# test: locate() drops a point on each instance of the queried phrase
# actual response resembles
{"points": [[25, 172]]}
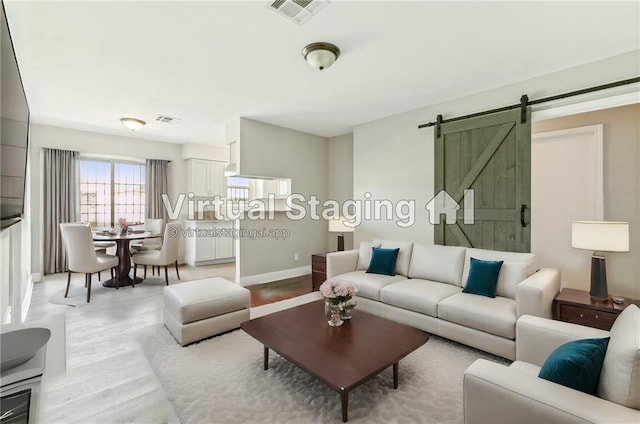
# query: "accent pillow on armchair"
{"points": [[576, 364], [620, 377]]}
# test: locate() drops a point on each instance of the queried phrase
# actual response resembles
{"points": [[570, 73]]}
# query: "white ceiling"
{"points": [[85, 64]]}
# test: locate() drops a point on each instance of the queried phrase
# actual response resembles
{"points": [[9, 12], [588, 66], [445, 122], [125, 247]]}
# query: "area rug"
{"points": [[221, 380]]}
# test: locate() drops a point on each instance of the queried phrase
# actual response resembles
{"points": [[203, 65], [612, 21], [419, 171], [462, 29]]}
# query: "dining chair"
{"points": [[167, 255], [154, 226], [101, 247], [82, 257]]}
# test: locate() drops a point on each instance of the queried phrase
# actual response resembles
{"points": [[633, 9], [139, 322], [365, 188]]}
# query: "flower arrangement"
{"points": [[351, 303], [123, 225], [338, 292]]}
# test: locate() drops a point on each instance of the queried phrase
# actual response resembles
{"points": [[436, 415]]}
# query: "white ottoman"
{"points": [[199, 309]]}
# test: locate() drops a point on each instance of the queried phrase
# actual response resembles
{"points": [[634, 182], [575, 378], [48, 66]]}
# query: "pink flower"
{"points": [[338, 290]]}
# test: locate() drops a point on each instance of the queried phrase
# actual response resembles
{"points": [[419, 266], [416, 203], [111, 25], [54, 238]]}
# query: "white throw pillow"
{"points": [[404, 255], [364, 255], [437, 263], [620, 376]]}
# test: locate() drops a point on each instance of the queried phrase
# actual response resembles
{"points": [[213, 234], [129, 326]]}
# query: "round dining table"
{"points": [[123, 253]]}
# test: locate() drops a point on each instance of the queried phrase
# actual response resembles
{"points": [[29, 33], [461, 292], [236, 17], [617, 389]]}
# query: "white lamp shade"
{"points": [[338, 226], [321, 59], [600, 236]]}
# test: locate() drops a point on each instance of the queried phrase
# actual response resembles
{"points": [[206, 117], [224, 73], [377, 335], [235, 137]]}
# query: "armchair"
{"points": [[495, 393]]}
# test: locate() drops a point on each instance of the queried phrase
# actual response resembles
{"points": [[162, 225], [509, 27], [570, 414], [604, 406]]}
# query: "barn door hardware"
{"points": [[523, 208], [524, 100], [438, 123]]}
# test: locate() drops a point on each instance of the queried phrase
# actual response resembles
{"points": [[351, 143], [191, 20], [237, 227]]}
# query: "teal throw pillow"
{"points": [[483, 277], [576, 364], [383, 261]]}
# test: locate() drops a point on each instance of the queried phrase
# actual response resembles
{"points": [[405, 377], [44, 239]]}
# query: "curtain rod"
{"points": [[535, 102]]}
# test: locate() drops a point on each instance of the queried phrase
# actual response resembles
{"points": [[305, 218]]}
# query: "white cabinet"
{"points": [[206, 177], [217, 179], [224, 246], [208, 242], [198, 177]]}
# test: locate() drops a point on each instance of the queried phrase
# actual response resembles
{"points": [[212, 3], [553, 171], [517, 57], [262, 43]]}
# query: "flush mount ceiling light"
{"points": [[132, 123], [321, 55]]}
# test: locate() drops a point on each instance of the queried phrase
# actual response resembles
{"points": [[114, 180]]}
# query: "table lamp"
{"points": [[337, 225], [600, 236]]}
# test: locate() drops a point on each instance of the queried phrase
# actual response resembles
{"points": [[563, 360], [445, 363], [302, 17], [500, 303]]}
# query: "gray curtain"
{"points": [[156, 185], [60, 187]]}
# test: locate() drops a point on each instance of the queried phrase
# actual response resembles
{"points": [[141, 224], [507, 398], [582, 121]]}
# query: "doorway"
{"points": [[566, 186]]}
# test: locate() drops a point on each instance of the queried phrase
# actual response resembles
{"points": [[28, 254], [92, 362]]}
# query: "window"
{"points": [[110, 190], [237, 189]]}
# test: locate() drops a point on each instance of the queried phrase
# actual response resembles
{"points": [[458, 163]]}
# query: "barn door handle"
{"points": [[523, 208]]}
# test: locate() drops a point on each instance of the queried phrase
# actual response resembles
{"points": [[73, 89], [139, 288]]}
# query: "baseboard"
{"points": [[36, 277], [275, 276], [214, 261]]}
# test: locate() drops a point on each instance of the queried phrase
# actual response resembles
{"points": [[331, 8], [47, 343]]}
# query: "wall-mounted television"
{"points": [[14, 131]]}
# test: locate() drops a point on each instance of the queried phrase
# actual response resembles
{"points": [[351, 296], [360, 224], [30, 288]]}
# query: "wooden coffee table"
{"points": [[341, 357]]}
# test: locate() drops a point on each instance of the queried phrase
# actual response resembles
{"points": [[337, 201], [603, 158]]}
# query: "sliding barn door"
{"points": [[490, 155]]}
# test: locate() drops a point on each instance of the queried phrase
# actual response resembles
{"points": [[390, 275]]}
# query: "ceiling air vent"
{"points": [[299, 11], [167, 119]]}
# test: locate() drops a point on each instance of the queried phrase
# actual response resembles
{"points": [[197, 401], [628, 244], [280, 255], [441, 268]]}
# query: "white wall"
{"points": [[203, 151], [394, 159], [89, 142], [271, 151], [16, 281]]}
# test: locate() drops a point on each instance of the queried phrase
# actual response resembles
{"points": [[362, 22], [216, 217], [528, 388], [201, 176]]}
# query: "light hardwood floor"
{"points": [[107, 379]]}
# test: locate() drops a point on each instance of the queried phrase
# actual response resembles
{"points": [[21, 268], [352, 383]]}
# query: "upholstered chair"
{"points": [[101, 248], [154, 226], [81, 255], [494, 393], [167, 255]]}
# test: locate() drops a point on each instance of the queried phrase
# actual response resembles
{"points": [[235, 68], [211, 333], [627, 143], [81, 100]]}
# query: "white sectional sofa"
{"points": [[426, 291]]}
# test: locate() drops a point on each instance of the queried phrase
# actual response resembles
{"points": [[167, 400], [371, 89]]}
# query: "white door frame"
{"points": [[598, 100]]}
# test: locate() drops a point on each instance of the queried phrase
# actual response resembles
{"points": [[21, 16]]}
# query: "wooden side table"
{"points": [[318, 269], [577, 307]]}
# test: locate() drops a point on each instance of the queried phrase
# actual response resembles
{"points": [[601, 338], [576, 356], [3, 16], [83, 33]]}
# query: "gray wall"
{"points": [[621, 186], [271, 151], [340, 180], [393, 159]]}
